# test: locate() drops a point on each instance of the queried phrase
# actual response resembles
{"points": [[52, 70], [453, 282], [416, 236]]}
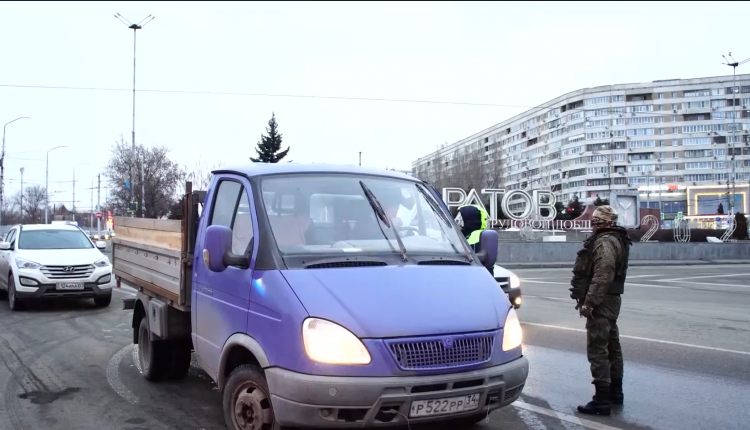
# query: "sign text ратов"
{"points": [[532, 212]]}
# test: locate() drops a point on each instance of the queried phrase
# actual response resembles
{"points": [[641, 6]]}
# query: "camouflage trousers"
{"points": [[603, 342]]}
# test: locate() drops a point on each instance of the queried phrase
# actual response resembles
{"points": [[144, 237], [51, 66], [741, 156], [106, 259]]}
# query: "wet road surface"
{"points": [[70, 365]]}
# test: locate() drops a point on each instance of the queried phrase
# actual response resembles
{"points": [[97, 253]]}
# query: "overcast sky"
{"points": [[512, 54]]}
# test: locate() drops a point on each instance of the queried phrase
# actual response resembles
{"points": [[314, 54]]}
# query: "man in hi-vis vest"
{"points": [[472, 219]]}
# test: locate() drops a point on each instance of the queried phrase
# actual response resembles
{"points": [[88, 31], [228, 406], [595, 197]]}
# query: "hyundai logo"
{"points": [[68, 269], [447, 343]]}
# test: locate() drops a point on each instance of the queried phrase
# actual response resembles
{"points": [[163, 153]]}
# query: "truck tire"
{"points": [[246, 400], [179, 359], [153, 356]]}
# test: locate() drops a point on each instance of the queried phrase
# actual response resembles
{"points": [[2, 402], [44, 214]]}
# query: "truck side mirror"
{"points": [[4, 246], [488, 241], [217, 252], [218, 243]]}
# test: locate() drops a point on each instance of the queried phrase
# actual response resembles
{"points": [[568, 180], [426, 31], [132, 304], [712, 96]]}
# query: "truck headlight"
{"points": [[512, 334], [26, 264], [326, 342], [515, 281]]}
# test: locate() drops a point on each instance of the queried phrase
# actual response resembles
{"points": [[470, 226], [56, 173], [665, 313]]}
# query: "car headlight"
{"points": [[326, 342], [515, 281], [26, 264], [104, 262], [512, 334]]}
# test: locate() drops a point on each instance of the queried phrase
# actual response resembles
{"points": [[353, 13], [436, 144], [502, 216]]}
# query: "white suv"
{"points": [[46, 261]]}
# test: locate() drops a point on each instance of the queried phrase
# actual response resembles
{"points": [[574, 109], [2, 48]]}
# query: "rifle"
{"points": [[581, 277]]}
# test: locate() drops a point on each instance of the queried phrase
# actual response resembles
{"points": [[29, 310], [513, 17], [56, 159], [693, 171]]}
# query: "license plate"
{"points": [[69, 286], [451, 405]]}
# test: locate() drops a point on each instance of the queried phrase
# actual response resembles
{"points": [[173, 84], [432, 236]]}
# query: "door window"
{"points": [[11, 238], [232, 209]]}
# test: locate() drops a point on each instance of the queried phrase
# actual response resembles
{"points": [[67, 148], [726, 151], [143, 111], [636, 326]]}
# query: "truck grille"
{"points": [[68, 272], [446, 352]]}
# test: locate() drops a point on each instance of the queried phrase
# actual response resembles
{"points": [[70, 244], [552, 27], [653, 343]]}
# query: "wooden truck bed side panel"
{"points": [[148, 253], [161, 233]]}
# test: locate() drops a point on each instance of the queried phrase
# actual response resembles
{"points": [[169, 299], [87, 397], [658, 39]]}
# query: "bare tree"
{"points": [[161, 177], [32, 211], [201, 175]]}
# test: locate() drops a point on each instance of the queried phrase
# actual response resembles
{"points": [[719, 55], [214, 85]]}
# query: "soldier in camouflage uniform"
{"points": [[598, 282]]}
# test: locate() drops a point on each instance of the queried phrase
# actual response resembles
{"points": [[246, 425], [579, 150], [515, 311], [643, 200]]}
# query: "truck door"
{"points": [[222, 298]]}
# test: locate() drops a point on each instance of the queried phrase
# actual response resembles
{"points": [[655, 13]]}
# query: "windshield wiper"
{"points": [[443, 217], [380, 212]]}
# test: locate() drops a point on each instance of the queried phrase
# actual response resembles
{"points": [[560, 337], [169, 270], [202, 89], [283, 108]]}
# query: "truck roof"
{"points": [[263, 169]]}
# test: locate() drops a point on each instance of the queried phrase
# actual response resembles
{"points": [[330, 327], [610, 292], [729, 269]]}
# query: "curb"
{"points": [[566, 265]]}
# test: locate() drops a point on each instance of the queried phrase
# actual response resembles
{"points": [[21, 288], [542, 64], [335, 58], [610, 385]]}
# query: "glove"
{"points": [[586, 311]]}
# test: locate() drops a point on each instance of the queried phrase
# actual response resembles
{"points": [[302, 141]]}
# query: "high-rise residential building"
{"points": [[683, 145]]}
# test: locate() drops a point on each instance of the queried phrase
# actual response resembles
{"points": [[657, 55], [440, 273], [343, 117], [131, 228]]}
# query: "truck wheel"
{"points": [[247, 403], [179, 359], [152, 355]]}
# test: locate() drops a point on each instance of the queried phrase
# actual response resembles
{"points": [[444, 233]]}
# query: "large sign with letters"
{"points": [[531, 216]]}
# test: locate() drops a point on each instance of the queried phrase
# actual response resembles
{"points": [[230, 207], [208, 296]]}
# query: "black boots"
{"points": [[599, 405], [615, 391]]}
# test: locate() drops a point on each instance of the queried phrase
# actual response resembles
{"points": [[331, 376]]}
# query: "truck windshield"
{"points": [[325, 213]]}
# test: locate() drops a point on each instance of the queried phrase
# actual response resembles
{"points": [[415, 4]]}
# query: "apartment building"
{"points": [[666, 140]]}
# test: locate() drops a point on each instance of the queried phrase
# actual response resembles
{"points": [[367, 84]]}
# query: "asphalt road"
{"points": [[686, 339]]}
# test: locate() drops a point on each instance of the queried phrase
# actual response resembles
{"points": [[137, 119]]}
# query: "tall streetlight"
{"points": [[22, 169], [46, 185], [733, 64], [2, 167], [74, 186], [135, 28]]}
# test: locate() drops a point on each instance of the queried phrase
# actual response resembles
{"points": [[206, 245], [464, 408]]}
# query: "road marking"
{"points": [[545, 297], [627, 283], [563, 417], [113, 376], [706, 284], [624, 336], [704, 276]]}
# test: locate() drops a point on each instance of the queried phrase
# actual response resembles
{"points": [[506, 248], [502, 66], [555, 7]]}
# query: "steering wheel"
{"points": [[408, 228]]}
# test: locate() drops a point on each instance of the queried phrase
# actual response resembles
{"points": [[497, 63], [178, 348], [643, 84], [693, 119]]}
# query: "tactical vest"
{"points": [[585, 264]]}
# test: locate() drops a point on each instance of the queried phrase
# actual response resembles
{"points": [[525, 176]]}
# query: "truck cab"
{"points": [[323, 296]]}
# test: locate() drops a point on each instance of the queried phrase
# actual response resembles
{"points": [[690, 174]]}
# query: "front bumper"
{"points": [[347, 402], [49, 291], [46, 288]]}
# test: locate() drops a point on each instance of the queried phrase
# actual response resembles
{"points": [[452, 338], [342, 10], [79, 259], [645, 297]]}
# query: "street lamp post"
{"points": [[135, 28], [733, 64], [46, 185], [74, 186], [2, 167]]}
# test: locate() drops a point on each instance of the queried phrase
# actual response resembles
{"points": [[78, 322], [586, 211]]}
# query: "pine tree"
{"points": [[269, 147]]}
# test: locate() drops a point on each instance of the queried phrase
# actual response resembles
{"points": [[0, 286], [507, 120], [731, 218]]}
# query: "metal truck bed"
{"points": [[155, 255]]}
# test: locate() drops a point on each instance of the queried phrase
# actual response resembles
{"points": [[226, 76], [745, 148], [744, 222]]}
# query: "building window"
{"points": [[660, 96]]}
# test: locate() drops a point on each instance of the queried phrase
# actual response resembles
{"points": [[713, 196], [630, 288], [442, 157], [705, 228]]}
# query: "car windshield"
{"points": [[53, 239], [325, 213]]}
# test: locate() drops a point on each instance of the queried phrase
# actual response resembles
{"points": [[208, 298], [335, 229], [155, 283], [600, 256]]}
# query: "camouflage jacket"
{"points": [[597, 265]]}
